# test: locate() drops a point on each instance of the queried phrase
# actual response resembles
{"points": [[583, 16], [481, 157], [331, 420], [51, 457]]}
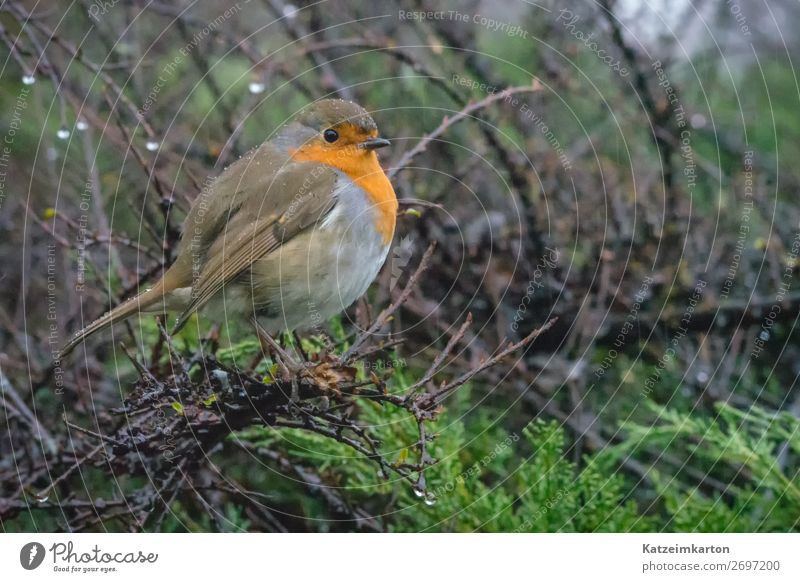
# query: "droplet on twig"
{"points": [[152, 145], [28, 79], [420, 486], [290, 11], [81, 125], [255, 87], [697, 120], [62, 133]]}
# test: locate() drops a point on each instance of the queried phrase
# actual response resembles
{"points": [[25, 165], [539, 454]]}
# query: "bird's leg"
{"points": [[321, 374], [289, 367], [299, 346], [294, 395], [212, 338], [269, 344]]}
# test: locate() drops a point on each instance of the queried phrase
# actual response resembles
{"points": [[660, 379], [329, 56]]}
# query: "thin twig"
{"points": [[384, 315]]}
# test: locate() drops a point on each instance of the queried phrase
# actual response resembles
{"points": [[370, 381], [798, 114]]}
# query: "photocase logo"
{"points": [[31, 555]]}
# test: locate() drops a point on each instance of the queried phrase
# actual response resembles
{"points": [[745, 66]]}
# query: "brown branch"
{"points": [[448, 122], [432, 400]]}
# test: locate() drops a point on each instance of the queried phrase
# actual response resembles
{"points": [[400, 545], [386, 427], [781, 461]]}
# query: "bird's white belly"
{"points": [[322, 271]]}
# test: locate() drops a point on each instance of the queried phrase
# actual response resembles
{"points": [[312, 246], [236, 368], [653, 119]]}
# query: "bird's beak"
{"points": [[374, 143]]}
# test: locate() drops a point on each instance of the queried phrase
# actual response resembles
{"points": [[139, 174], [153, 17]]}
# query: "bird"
{"points": [[289, 235]]}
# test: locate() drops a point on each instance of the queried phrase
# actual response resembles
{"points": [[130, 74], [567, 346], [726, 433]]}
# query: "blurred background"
{"points": [[627, 168]]}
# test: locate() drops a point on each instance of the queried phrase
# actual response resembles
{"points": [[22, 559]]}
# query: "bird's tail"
{"points": [[142, 303]]}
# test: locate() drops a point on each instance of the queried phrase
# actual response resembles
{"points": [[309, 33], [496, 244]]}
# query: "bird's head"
{"points": [[334, 132]]}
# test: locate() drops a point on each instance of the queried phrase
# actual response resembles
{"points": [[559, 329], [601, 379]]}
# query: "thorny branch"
{"points": [[170, 425]]}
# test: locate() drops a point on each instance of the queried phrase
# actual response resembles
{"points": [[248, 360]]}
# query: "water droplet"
{"points": [[255, 88], [63, 133], [764, 335], [418, 492], [152, 145], [290, 11], [697, 120], [81, 125], [28, 79], [430, 499], [702, 377], [42, 497]]}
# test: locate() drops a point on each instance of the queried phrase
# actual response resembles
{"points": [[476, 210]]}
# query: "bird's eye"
{"points": [[330, 135]]}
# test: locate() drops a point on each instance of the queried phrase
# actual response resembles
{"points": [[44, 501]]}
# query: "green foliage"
{"points": [[751, 462], [557, 496], [485, 479], [490, 480]]}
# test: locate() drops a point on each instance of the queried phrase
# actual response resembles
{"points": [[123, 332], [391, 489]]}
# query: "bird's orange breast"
{"points": [[365, 171]]}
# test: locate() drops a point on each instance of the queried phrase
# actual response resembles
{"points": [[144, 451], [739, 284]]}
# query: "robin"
{"points": [[289, 235]]}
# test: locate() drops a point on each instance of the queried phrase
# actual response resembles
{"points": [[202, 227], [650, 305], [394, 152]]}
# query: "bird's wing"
{"points": [[299, 195]]}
